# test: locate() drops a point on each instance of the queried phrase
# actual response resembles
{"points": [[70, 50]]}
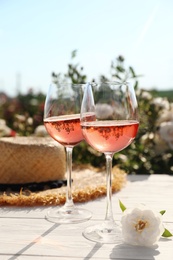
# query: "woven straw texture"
{"points": [[88, 184], [31, 159]]}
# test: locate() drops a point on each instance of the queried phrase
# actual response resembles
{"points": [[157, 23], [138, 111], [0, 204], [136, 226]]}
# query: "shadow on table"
{"points": [[96, 247], [133, 178], [134, 252], [23, 250], [23, 210]]}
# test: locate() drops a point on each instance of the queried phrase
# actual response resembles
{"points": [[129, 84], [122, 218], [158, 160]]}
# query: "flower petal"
{"points": [[141, 226]]}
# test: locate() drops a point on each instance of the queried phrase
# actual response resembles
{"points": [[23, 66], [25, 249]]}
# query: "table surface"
{"points": [[26, 234]]}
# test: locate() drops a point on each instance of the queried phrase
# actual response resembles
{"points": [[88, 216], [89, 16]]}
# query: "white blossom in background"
{"points": [[146, 95], [146, 137], [161, 103], [40, 131], [30, 121], [167, 115], [166, 132], [5, 130], [141, 226], [161, 146], [20, 118], [104, 111]]}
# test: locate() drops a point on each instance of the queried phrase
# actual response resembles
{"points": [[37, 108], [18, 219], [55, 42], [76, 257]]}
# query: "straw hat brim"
{"points": [[88, 184]]}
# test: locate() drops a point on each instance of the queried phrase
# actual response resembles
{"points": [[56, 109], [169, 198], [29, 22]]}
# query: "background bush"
{"points": [[150, 153]]}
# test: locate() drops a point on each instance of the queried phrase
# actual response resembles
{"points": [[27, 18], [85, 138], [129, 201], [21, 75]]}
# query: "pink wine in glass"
{"points": [[115, 126], [110, 136], [65, 129], [62, 122]]}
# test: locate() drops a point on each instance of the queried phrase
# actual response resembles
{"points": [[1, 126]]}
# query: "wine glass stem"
{"points": [[69, 200], [109, 213]]}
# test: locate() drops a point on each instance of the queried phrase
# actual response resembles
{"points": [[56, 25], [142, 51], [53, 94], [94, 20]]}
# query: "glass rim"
{"points": [[110, 82], [68, 83]]}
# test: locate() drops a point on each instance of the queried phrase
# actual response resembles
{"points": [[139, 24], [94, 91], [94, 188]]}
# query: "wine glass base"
{"points": [[104, 233], [67, 216]]}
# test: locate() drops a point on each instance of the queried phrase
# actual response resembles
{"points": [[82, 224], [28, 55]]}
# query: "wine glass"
{"points": [[109, 124], [62, 122]]}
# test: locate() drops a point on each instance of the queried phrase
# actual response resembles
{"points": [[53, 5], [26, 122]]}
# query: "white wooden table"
{"points": [[26, 234]]}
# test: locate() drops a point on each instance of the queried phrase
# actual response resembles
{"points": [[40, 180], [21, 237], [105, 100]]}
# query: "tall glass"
{"points": [[62, 122], [109, 124]]}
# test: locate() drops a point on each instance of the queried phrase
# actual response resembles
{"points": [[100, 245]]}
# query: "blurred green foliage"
{"points": [[25, 112], [140, 157]]}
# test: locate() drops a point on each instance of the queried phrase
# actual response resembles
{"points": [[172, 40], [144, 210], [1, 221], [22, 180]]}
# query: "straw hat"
{"points": [[31, 159]]}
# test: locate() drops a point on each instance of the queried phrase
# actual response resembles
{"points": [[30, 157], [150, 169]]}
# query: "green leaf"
{"points": [[117, 76], [120, 69], [132, 71], [136, 85], [167, 233], [162, 212], [73, 54], [123, 208]]}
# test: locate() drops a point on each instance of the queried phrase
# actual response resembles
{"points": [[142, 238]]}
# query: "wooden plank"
{"points": [[26, 234]]}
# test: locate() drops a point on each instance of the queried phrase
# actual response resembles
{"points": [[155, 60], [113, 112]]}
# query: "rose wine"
{"points": [[65, 129], [110, 136]]}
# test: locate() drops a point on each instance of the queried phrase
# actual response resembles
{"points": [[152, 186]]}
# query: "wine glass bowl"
{"points": [[109, 122], [62, 122]]}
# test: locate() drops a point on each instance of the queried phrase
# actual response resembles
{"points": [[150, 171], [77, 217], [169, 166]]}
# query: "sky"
{"points": [[37, 38]]}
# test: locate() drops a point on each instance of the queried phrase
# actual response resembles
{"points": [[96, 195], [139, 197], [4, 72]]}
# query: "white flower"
{"points": [[40, 131], [21, 118], [166, 116], [141, 226], [146, 95], [160, 145], [30, 121], [104, 111], [166, 132], [5, 130], [161, 102]]}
